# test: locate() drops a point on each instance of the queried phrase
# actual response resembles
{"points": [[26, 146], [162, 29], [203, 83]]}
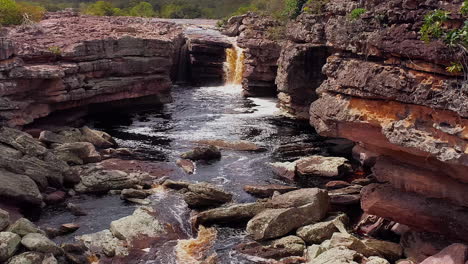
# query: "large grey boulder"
{"points": [[19, 188], [202, 153], [142, 223], [27, 258], [332, 167], [95, 179], [318, 232], [77, 153], [104, 242], [9, 243], [4, 219], [205, 194], [23, 227], [40, 243], [234, 214], [302, 197]]}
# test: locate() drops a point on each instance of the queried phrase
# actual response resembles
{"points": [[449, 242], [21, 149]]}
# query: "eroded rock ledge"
{"points": [[68, 61]]}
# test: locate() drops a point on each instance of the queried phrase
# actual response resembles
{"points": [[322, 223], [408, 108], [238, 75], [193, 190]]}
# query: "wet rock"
{"points": [[111, 152], [141, 223], [276, 249], [175, 185], [187, 165], [302, 207], [232, 214], [453, 254], [139, 201], [23, 227], [104, 242], [96, 180], [133, 193], [69, 228], [27, 258], [265, 191], [337, 185], [337, 255], [346, 196], [19, 188], [351, 242], [389, 250], [284, 170], [331, 167], [40, 243], [55, 197], [239, 145], [202, 153], [70, 136], [76, 210], [4, 219], [9, 243], [75, 252], [77, 153], [205, 194], [321, 231]]}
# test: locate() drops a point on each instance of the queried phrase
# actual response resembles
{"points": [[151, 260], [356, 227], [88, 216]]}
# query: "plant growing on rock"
{"points": [[456, 67], [357, 13], [55, 50], [432, 27], [315, 6]]}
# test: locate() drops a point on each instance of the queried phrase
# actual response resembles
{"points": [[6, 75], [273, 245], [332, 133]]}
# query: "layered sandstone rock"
{"points": [[69, 61]]}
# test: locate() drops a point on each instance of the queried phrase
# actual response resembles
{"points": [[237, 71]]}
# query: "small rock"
{"points": [[321, 231], [27, 258], [265, 191], [363, 181], [276, 249], [338, 255], [141, 223], [77, 153], [331, 167], [453, 254], [4, 219], [175, 185], [284, 170], [203, 153], [332, 185], [389, 250], [23, 227], [71, 192], [139, 201], [377, 260], [49, 259], [205, 194], [187, 165], [76, 210], [69, 228], [133, 194], [351, 242], [40, 243], [55, 197], [9, 243], [75, 252]]}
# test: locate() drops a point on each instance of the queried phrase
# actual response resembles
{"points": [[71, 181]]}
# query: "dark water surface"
{"points": [[199, 113]]}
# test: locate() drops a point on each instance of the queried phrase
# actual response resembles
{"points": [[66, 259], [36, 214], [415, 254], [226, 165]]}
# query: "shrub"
{"points": [[432, 27], [100, 8], [315, 6], [142, 9], [456, 67], [464, 8], [55, 50], [293, 8], [357, 13], [33, 11], [10, 13]]}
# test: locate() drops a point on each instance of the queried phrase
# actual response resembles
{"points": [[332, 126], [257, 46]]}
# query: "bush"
{"points": [[357, 13], [432, 27], [100, 8], [315, 6], [33, 11], [142, 9], [10, 13], [180, 11], [464, 8], [293, 8]]}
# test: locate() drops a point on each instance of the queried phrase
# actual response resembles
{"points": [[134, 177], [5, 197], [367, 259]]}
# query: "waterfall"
{"points": [[234, 65]]}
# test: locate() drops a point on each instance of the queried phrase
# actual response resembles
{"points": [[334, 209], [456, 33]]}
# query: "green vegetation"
{"points": [[315, 6], [13, 13], [357, 13], [55, 50], [464, 8], [456, 67], [432, 27]]}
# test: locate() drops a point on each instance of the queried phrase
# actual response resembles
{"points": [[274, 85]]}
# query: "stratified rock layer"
{"points": [[69, 61]]}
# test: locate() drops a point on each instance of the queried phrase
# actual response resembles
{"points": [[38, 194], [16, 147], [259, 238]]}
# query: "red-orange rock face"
{"points": [[70, 61]]}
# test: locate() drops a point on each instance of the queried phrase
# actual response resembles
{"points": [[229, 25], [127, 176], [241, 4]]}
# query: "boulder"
{"points": [[176, 185], [40, 243], [321, 231], [232, 214], [275, 249], [55, 197], [142, 223], [346, 196], [23, 227], [331, 167], [453, 254], [265, 191], [239, 145], [4, 219], [49, 259], [9, 243], [337, 255], [75, 252], [133, 193], [187, 165], [98, 180], [77, 153], [389, 250], [302, 197], [73, 135], [104, 242], [69, 228], [284, 170], [19, 188], [351, 242], [27, 258], [203, 153], [205, 194]]}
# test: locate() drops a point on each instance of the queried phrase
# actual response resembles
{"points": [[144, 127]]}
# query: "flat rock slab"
{"points": [[331, 167], [239, 145], [264, 191]]}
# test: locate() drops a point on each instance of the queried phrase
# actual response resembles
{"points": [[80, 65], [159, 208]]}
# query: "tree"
{"points": [[9, 13], [100, 8], [143, 9]]}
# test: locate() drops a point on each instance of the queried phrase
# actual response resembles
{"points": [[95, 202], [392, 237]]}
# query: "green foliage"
{"points": [[457, 36], [13, 13], [55, 50], [456, 67], [142, 9], [32, 10], [357, 13], [432, 27], [315, 6], [180, 11], [464, 8], [100, 8], [293, 8]]}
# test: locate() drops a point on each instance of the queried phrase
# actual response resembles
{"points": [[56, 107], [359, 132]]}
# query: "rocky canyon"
{"points": [[339, 136]]}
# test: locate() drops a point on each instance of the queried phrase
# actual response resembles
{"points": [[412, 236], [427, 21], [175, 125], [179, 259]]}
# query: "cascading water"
{"points": [[234, 65]]}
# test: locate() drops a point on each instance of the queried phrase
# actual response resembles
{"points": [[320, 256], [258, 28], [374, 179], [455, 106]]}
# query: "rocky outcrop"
{"points": [[256, 34], [73, 61]]}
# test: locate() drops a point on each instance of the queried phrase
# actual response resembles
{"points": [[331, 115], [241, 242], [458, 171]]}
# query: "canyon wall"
{"points": [[69, 61]]}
